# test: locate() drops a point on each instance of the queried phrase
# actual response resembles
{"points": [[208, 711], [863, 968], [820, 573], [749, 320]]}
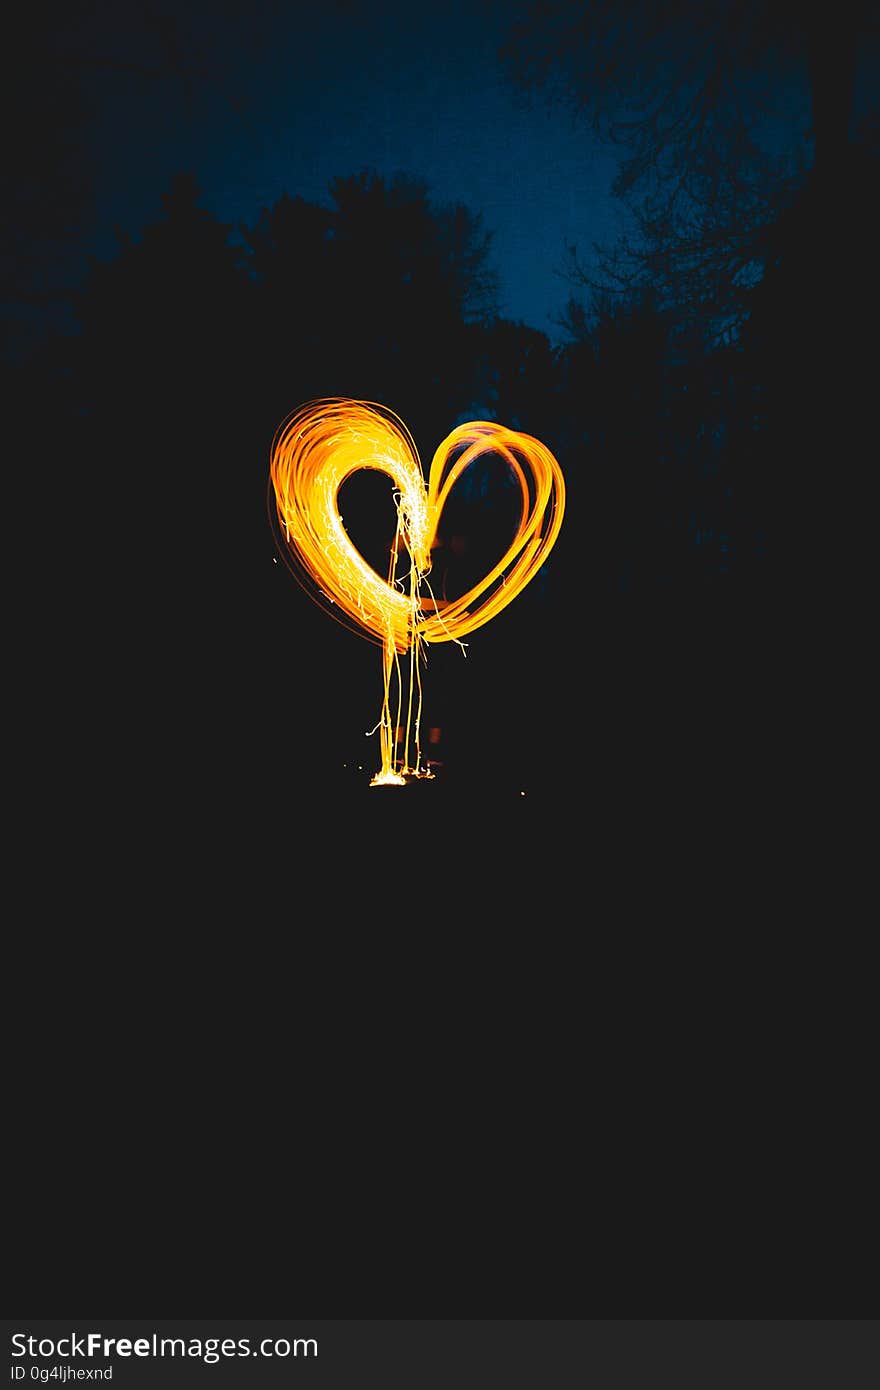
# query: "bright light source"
{"points": [[321, 444]]}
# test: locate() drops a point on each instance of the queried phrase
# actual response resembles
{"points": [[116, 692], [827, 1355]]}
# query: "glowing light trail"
{"points": [[314, 451]]}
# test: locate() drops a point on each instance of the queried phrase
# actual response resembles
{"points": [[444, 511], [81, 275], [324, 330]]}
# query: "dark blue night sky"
{"points": [[292, 97]]}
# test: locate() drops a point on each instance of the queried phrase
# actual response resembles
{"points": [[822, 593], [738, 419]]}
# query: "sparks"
{"points": [[321, 444]]}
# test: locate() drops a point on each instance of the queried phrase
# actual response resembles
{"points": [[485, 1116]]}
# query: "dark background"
{"points": [[623, 929]]}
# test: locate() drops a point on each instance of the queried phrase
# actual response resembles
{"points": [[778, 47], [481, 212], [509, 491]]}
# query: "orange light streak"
{"points": [[314, 451]]}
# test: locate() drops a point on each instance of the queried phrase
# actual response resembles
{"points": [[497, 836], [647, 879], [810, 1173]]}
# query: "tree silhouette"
{"points": [[374, 297], [749, 161], [523, 379], [192, 347], [60, 65], [720, 111]]}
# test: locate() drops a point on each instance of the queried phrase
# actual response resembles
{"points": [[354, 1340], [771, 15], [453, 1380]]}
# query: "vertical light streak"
{"points": [[314, 451]]}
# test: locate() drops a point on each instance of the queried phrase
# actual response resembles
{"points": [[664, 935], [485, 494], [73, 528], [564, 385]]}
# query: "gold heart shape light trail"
{"points": [[314, 451]]}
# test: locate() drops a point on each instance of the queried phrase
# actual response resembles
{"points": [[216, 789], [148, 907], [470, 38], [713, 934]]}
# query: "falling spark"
{"points": [[314, 451]]}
